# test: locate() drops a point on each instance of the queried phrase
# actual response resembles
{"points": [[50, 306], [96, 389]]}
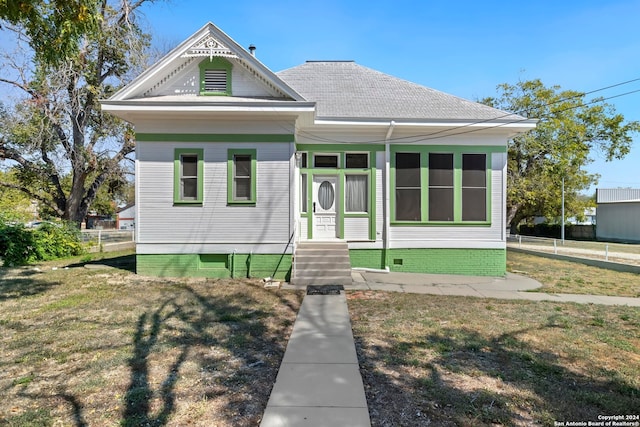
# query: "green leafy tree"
{"points": [[54, 26], [570, 130], [56, 129], [14, 204]]}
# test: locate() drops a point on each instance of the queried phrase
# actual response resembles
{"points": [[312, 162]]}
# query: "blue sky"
{"points": [[465, 48]]}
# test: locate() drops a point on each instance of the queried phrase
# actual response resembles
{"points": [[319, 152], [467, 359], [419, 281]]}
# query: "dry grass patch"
{"points": [[454, 361], [566, 277], [105, 347]]}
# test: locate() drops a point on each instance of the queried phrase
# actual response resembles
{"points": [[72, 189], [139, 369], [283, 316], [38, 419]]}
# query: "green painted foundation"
{"points": [[215, 265], [469, 262]]}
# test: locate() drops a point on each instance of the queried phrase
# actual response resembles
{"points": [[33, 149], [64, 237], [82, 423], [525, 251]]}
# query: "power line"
{"points": [[554, 112], [434, 135]]}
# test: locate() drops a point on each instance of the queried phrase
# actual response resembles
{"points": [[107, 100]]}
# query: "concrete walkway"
{"points": [[319, 382], [512, 286]]}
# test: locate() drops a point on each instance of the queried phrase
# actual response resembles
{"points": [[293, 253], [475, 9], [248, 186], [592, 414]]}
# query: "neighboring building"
{"points": [[94, 221], [618, 213], [236, 165], [126, 219], [589, 218]]}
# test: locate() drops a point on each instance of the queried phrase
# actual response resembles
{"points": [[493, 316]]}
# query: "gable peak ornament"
{"points": [[208, 46]]}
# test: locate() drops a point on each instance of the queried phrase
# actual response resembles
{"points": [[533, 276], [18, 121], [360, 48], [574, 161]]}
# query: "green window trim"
{"points": [[231, 153], [215, 63], [177, 178], [457, 152]]}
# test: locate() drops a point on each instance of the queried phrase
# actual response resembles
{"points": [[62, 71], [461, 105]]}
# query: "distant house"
{"points": [[126, 219], [238, 167], [589, 218], [618, 213]]}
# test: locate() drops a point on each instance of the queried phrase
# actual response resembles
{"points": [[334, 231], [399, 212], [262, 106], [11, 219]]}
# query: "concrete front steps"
{"points": [[322, 263]]}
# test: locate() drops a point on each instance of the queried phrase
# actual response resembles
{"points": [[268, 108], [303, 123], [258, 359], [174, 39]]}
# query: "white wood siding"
{"points": [[465, 236], [187, 82], [211, 126], [356, 228], [214, 222], [302, 230]]}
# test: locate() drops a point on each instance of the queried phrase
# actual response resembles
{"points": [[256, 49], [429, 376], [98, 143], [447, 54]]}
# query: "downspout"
{"points": [[295, 198], [387, 193], [387, 203]]}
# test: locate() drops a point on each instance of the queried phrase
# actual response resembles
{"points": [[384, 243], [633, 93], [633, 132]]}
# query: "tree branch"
{"points": [[127, 148], [31, 194], [9, 153], [22, 86]]}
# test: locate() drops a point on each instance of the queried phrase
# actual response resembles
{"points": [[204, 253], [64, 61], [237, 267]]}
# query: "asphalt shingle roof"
{"points": [[344, 89]]}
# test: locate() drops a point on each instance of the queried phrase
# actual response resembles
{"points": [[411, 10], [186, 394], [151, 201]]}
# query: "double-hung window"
{"points": [[408, 187], [474, 187], [441, 187], [241, 176], [188, 176]]}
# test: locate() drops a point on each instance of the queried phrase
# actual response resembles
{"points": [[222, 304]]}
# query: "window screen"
{"points": [[188, 177], [408, 198], [325, 161], [440, 187], [356, 160], [474, 187], [242, 177]]}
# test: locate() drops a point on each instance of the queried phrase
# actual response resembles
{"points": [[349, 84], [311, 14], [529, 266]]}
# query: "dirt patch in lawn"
{"points": [[105, 347], [455, 361]]}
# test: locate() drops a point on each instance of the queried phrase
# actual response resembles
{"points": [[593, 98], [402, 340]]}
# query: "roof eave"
{"points": [[517, 126]]}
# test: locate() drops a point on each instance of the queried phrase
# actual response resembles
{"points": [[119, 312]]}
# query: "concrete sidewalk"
{"points": [[512, 286], [319, 382]]}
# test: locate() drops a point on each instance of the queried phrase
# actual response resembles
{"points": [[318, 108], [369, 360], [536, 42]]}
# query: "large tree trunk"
{"points": [[512, 216]]}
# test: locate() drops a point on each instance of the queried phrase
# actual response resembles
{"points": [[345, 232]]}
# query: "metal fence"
{"points": [[104, 237], [588, 249]]}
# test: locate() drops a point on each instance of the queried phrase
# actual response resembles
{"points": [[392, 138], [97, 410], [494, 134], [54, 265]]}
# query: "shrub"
{"points": [[20, 245]]}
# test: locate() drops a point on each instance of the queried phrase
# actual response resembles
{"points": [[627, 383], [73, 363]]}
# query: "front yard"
{"points": [[104, 347]]}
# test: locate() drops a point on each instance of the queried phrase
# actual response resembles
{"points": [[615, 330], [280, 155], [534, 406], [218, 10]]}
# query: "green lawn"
{"points": [[456, 361], [105, 347], [573, 278]]}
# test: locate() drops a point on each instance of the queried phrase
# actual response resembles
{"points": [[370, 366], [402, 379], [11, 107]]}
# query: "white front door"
{"points": [[325, 198]]}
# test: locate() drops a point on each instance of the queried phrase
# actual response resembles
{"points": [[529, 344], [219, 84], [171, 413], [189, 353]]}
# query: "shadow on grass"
{"points": [[453, 390], [231, 329], [123, 262], [18, 283]]}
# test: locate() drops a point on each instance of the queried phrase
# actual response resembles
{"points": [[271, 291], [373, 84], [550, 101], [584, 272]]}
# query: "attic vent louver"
{"points": [[215, 80]]}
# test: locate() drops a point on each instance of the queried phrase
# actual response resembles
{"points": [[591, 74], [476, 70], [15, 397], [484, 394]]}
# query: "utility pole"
{"points": [[562, 229]]}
